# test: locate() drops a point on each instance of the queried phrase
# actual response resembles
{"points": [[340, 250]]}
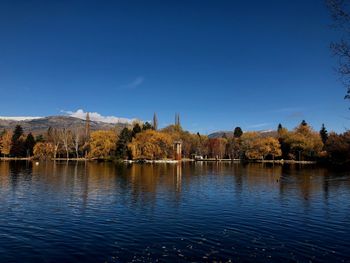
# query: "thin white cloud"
{"points": [[287, 110], [19, 118], [259, 125], [133, 84], [95, 116]]}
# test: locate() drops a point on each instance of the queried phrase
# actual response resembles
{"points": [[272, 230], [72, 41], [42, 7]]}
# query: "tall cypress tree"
{"points": [[29, 144], [279, 128], [125, 138], [155, 122], [136, 129], [324, 134]]}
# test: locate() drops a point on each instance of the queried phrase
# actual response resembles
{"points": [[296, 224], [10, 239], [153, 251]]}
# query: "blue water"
{"points": [[102, 212]]}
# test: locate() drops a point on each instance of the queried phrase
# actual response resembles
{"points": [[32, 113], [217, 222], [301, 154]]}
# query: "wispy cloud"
{"points": [[133, 84], [259, 125], [95, 116], [290, 112], [295, 115], [287, 109]]}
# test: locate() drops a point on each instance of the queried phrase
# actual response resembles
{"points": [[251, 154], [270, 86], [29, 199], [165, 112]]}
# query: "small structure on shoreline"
{"points": [[178, 150]]}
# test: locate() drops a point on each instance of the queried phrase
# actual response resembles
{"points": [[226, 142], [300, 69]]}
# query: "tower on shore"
{"points": [[178, 150]]}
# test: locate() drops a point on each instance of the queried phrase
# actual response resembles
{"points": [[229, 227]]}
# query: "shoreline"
{"points": [[163, 161]]}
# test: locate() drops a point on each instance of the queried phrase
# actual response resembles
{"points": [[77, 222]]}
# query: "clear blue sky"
{"points": [[220, 64]]}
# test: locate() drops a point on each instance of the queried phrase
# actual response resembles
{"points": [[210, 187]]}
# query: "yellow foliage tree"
{"points": [[5, 143], [304, 141], [151, 145], [102, 143], [44, 150], [256, 147]]}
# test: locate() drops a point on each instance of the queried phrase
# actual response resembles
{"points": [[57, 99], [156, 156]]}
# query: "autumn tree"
{"points": [[44, 150], [53, 136], [273, 147], [151, 145], [77, 140], [102, 144], [201, 144], [256, 147], [338, 147], [305, 142], [233, 147], [66, 139], [217, 147], [5, 143]]}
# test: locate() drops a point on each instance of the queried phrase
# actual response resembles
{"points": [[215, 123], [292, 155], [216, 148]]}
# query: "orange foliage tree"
{"points": [[44, 150], [5, 143], [151, 144], [102, 144]]}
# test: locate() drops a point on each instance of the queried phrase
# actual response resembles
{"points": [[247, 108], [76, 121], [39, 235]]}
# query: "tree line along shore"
{"points": [[144, 141]]}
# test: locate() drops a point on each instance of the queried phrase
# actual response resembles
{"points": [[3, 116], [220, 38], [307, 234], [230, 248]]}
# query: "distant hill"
{"points": [[220, 134], [40, 125], [229, 134]]}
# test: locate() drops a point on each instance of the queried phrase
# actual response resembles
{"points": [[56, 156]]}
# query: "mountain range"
{"points": [[229, 134], [40, 125]]}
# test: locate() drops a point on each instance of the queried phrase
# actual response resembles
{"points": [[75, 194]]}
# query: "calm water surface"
{"points": [[102, 212]]}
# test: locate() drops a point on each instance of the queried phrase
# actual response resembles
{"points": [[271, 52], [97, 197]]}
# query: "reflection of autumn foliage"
{"points": [[102, 144], [44, 150], [152, 144]]}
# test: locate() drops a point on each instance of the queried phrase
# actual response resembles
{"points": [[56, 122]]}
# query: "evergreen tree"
{"points": [[177, 120], [146, 126], [39, 138], [303, 123], [87, 127], [324, 134], [17, 143], [125, 138], [29, 144], [279, 128], [136, 129], [237, 133], [155, 122]]}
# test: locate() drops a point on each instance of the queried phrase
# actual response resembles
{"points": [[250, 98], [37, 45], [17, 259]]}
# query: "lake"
{"points": [[201, 212]]}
